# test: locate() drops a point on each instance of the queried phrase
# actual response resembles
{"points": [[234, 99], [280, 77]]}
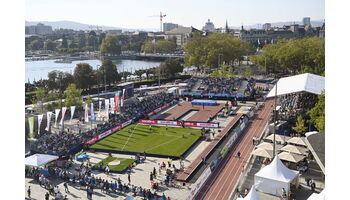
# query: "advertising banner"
{"points": [[107, 108], [179, 123], [72, 109], [63, 113], [99, 106], [92, 113], [40, 118], [48, 117], [116, 101], [111, 102], [57, 112], [198, 184], [86, 114], [31, 127]]}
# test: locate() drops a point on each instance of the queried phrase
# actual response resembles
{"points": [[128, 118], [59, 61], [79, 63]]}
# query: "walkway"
{"points": [[221, 183]]}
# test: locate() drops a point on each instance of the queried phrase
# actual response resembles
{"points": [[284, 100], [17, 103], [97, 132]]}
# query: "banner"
{"points": [[122, 99], [63, 113], [179, 123], [92, 115], [111, 102], [198, 184], [72, 109], [116, 101], [48, 117], [57, 112], [99, 106], [40, 118], [107, 133], [86, 114], [107, 108], [158, 110], [31, 127]]}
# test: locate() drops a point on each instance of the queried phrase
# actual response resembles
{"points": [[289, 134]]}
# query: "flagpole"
{"points": [[274, 126]]}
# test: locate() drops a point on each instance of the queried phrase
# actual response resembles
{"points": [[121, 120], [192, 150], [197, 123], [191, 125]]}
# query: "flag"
{"points": [[48, 117], [258, 41], [72, 109], [40, 118], [57, 112], [92, 115], [63, 113], [272, 41], [31, 127], [122, 99], [107, 108], [154, 41], [86, 114], [265, 41], [111, 102], [116, 101], [99, 106]]}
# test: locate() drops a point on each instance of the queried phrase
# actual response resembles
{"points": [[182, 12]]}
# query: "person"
{"points": [[66, 187], [284, 194], [129, 178], [239, 154], [47, 196], [29, 191], [154, 171], [107, 170], [151, 177]]}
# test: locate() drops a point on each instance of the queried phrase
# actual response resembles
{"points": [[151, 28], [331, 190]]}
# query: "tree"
{"points": [[64, 42], [223, 71], [73, 45], [40, 97], [293, 56], [109, 70], [125, 75], [215, 49], [317, 114], [83, 76], [170, 67], [35, 45], [300, 125], [161, 46], [110, 46], [88, 100], [50, 45], [73, 96], [139, 73], [92, 41]]}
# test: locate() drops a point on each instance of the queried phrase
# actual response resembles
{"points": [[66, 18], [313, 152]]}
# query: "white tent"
{"points": [[299, 83], [316, 196], [38, 160], [274, 177], [252, 195]]}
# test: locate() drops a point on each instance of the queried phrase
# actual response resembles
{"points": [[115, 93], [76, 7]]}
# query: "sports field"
{"points": [[168, 141], [124, 163]]}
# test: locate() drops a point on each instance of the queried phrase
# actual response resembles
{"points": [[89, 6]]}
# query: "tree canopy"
{"points": [[35, 45], [49, 45], [300, 125], [83, 76], [215, 49], [170, 67], [293, 56], [73, 96], [108, 70], [161, 46], [317, 114], [110, 46]]}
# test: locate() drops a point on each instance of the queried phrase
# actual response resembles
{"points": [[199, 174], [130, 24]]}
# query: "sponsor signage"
{"points": [[199, 183], [179, 123]]}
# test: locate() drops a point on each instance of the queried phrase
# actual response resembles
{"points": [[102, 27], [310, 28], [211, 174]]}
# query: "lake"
{"points": [[36, 70]]}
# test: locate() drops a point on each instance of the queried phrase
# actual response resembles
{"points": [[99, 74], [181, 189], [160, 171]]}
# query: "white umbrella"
{"points": [[279, 138], [268, 146], [297, 140], [263, 153], [291, 157], [294, 149]]}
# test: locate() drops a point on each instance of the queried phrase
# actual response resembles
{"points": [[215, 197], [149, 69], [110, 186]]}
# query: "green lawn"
{"points": [[156, 141], [124, 163]]}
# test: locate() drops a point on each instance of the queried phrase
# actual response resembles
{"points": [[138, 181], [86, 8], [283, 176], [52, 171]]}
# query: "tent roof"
{"points": [[294, 149], [297, 140], [319, 196], [37, 160], [263, 153], [277, 171], [310, 83], [279, 138], [252, 195], [268, 146], [316, 144]]}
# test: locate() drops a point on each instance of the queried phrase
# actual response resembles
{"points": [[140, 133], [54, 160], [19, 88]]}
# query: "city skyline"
{"points": [[142, 14]]}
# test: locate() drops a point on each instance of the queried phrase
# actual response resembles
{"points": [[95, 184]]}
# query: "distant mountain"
{"points": [[81, 26], [314, 23]]}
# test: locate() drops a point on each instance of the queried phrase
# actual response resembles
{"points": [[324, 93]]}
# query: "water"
{"points": [[36, 70]]}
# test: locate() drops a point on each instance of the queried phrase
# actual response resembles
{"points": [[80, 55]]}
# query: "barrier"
{"points": [[159, 109], [199, 183], [107, 133], [179, 123]]}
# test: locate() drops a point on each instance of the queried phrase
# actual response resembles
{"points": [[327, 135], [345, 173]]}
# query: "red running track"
{"points": [[221, 183]]}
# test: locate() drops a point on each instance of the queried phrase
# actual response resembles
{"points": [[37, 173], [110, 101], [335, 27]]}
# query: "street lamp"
{"points": [[98, 83]]}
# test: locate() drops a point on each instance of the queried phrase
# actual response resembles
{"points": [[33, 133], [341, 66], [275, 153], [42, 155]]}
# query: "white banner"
{"points": [[57, 112], [99, 106], [72, 109], [195, 187], [86, 114], [40, 118], [63, 113], [48, 117], [92, 114], [111, 101], [107, 108], [122, 99]]}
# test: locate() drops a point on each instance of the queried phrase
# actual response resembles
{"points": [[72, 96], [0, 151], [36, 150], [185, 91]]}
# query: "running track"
{"points": [[221, 183]]}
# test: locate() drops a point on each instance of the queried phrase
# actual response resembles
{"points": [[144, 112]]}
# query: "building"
{"points": [[114, 32], [39, 29], [322, 31], [306, 21], [266, 26], [169, 26], [182, 34], [209, 26]]}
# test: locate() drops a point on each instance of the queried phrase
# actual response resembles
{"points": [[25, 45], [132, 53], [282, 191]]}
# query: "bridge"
{"points": [[157, 57]]}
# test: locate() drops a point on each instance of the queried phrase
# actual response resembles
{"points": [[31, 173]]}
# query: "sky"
{"points": [[145, 14]]}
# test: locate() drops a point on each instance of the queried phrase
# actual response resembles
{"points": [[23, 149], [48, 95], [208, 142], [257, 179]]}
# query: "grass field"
{"points": [[158, 140], [124, 163]]}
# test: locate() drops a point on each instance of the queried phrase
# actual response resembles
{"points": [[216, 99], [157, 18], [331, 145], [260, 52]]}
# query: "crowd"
{"points": [[294, 104], [84, 179]]}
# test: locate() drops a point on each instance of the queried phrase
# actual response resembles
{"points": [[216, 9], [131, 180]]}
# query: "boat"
{"points": [[63, 61]]}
